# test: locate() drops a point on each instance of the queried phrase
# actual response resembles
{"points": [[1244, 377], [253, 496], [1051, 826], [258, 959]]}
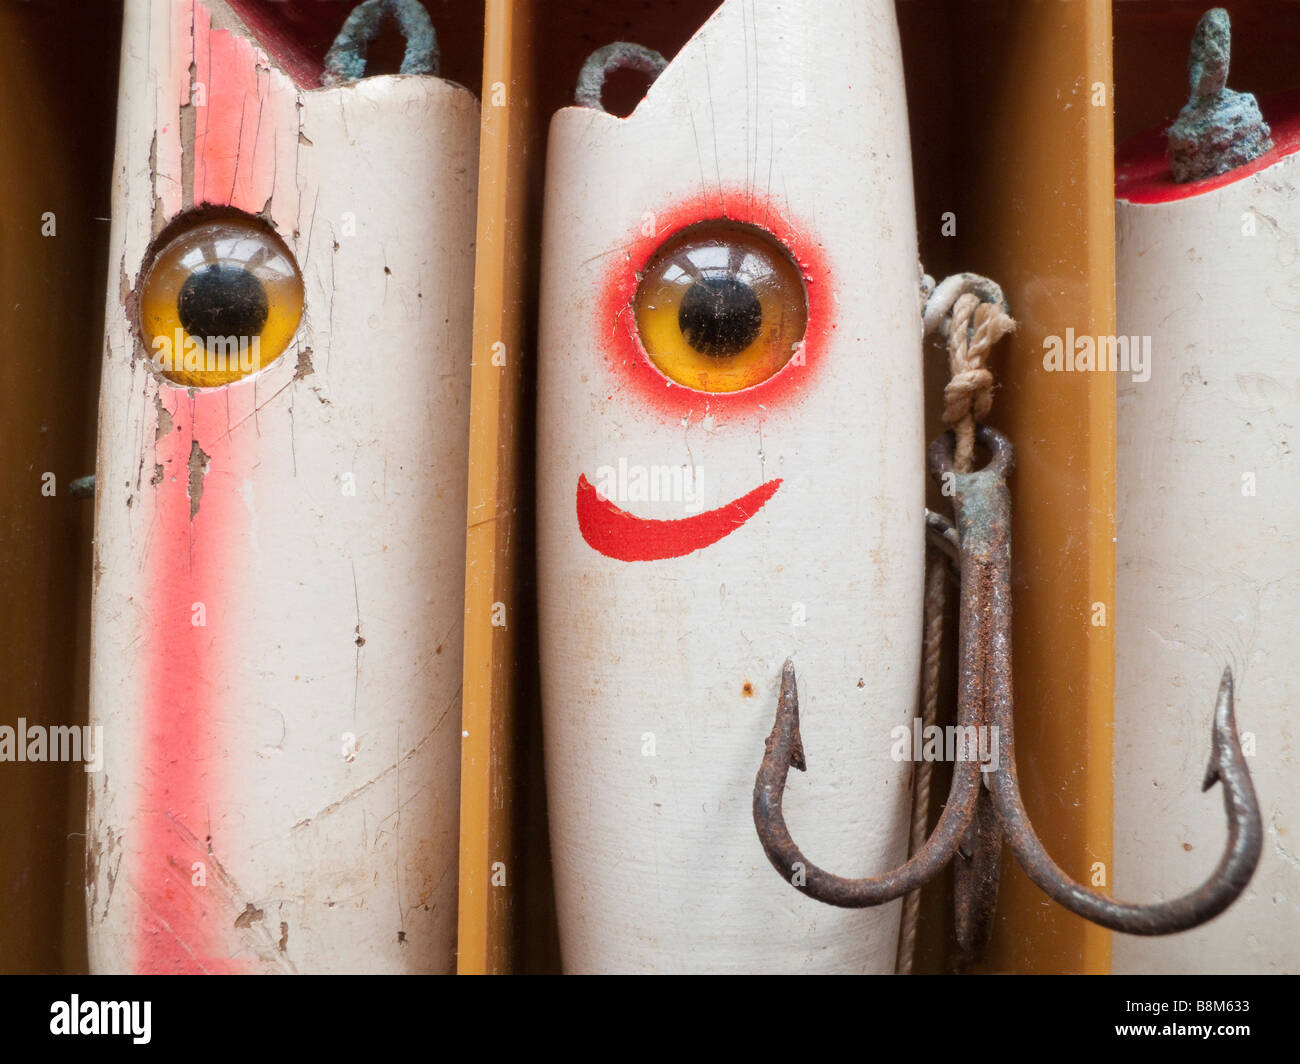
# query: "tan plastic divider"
{"points": [[1040, 106], [493, 608]]}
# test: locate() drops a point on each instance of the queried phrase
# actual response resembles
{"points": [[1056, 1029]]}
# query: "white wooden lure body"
{"points": [[277, 607], [1208, 290], [730, 473]]}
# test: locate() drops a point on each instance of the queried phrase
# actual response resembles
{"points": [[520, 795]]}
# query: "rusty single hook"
{"points": [[978, 818], [785, 749]]}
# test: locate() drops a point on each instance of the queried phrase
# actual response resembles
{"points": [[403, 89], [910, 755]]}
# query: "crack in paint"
{"points": [[356, 792]]}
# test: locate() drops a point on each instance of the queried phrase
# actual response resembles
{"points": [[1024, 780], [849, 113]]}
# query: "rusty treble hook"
{"points": [[977, 818]]}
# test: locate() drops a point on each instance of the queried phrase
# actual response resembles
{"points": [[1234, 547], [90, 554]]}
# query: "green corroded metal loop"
{"points": [[621, 55], [346, 59]]}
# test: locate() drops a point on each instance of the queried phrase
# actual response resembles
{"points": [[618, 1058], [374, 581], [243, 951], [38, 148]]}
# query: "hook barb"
{"points": [[783, 750], [983, 507], [1219, 890], [983, 511]]}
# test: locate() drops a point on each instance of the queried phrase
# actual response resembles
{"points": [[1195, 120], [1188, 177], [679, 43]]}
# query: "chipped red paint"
{"points": [[629, 365], [180, 924], [235, 121], [1142, 172], [179, 783], [625, 537]]}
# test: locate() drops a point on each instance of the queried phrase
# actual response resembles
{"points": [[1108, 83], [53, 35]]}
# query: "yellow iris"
{"points": [[220, 300], [721, 306]]}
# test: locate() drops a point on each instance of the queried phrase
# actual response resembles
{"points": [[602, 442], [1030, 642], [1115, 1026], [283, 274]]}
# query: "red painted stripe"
{"points": [[183, 901], [181, 925], [618, 534], [236, 125]]}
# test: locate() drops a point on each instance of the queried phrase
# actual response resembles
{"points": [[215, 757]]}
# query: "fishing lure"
{"points": [[734, 385], [1207, 222], [280, 499], [730, 440]]}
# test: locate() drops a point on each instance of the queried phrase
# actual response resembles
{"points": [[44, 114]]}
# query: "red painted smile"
{"points": [[618, 534]]}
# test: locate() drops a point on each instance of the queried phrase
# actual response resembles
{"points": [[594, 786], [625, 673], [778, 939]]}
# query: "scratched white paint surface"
{"points": [[350, 860], [1209, 576], [657, 864]]}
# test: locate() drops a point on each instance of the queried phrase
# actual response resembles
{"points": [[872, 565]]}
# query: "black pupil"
{"points": [[220, 300], [720, 316]]}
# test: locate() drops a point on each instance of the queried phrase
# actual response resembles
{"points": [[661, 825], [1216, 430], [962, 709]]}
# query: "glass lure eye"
{"points": [[220, 300], [721, 306]]}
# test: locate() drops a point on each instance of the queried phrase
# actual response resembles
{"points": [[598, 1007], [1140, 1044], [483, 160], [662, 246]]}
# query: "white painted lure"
{"points": [[1208, 284], [729, 473], [279, 520]]}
